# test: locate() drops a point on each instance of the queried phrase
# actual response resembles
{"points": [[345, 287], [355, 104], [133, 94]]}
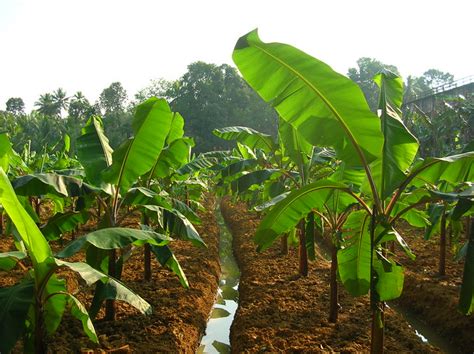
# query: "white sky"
{"points": [[88, 44]]}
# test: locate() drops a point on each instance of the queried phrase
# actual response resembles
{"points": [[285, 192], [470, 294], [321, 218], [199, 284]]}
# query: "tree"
{"points": [[364, 74], [113, 98], [211, 96], [47, 105], [15, 106], [79, 107], [60, 100], [425, 84], [160, 88]]}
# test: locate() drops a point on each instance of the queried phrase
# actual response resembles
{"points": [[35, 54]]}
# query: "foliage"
{"points": [[363, 76], [15, 106], [327, 110], [211, 96], [35, 306], [113, 98]]}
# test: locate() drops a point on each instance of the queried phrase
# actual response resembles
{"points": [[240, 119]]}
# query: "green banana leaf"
{"points": [[38, 248], [295, 206], [94, 151], [15, 302], [400, 146], [466, 300], [293, 145], [453, 169], [247, 136], [327, 108], [390, 278], [137, 155], [178, 225], [61, 223], [167, 259], [244, 182], [237, 167], [8, 260], [173, 157], [79, 311], [353, 258], [114, 238], [51, 183], [114, 288], [6, 151], [176, 129]]}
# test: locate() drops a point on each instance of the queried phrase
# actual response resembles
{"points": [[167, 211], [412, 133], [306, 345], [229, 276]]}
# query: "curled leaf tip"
{"points": [[243, 41]]}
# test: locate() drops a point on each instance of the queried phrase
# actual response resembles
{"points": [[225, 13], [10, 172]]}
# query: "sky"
{"points": [[85, 45]]}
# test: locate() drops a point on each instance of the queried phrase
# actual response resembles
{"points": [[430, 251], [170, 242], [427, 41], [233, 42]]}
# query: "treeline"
{"points": [[213, 96], [208, 96]]}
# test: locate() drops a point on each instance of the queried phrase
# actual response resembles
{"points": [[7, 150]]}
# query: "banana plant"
{"points": [[117, 175], [377, 153], [34, 307], [286, 165]]}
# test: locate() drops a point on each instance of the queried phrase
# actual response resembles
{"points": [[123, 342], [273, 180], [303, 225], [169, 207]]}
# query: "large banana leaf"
{"points": [[326, 107], [293, 145], [390, 278], [51, 183], [177, 224], [353, 258], [144, 196], [136, 156], [15, 302], [247, 136], [6, 151], [237, 167], [244, 182], [8, 260], [114, 238], [94, 151], [61, 223], [400, 146], [173, 157], [115, 289], [167, 259], [295, 206], [79, 311], [38, 248], [453, 169], [176, 129], [466, 300]]}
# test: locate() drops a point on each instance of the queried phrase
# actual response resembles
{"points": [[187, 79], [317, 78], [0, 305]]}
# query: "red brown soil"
{"points": [[282, 312], [179, 315], [434, 298]]}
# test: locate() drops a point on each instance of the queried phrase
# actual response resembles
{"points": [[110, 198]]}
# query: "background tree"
{"points": [[15, 106], [364, 74], [60, 100], [47, 105], [213, 96], [79, 107], [113, 98], [160, 88], [423, 85]]}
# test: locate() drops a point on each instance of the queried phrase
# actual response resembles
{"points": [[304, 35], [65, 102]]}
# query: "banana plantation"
{"points": [[338, 232]]}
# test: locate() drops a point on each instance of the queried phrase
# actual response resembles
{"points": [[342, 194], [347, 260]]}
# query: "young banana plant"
{"points": [[34, 307], [116, 174]]}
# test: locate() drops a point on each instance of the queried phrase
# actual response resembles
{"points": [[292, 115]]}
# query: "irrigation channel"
{"points": [[216, 339]]}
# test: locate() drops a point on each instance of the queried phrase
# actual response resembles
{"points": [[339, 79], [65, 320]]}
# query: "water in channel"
{"points": [[424, 331], [216, 339]]}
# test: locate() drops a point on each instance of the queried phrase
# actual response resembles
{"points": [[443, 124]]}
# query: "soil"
{"points": [[179, 315], [279, 311], [432, 297]]}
